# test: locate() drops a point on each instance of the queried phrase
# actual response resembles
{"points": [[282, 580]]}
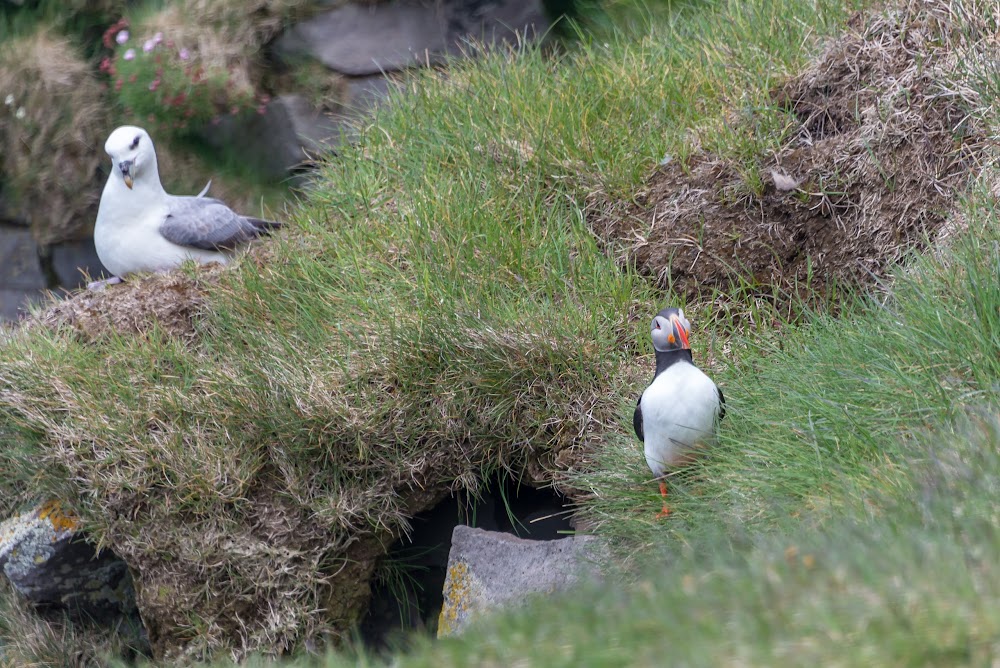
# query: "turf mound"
{"points": [[879, 140]]}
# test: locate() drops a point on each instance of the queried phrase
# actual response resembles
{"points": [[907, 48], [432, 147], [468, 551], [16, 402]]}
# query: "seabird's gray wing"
{"points": [[208, 224]]}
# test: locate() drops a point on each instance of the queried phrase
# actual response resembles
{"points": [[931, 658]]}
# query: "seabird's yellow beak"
{"points": [[125, 167]]}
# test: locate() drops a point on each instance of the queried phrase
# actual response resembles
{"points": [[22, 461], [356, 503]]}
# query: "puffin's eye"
{"points": [[135, 142], [657, 323]]}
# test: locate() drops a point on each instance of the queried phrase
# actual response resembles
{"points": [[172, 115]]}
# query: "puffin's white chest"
{"points": [[680, 410]]}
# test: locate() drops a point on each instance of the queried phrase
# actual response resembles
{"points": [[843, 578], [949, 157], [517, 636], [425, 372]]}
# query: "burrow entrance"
{"points": [[408, 590]]}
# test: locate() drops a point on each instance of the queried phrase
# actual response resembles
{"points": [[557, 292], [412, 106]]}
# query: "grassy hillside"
{"points": [[441, 309]]}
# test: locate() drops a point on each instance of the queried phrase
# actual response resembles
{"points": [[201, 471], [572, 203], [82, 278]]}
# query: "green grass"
{"points": [[85, 19], [441, 309], [848, 517], [913, 586]]}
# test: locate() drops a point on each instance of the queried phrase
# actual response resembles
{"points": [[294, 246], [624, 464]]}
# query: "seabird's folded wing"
{"points": [[207, 224]]}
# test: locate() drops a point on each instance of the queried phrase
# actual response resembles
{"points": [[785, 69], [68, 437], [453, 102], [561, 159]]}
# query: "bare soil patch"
{"points": [[883, 141]]}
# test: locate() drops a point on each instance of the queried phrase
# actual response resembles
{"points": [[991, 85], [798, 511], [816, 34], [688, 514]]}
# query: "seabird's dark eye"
{"points": [[657, 323], [135, 142]]}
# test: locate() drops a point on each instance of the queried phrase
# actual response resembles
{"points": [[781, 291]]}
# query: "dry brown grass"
{"points": [[168, 303], [253, 490], [51, 136], [881, 137]]}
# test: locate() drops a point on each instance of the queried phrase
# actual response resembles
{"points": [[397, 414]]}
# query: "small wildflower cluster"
{"points": [[9, 102], [156, 81]]}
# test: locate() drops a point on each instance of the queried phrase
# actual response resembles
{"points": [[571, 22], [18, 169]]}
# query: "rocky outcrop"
{"points": [[48, 561], [489, 570], [21, 276], [27, 269], [361, 45], [359, 40]]}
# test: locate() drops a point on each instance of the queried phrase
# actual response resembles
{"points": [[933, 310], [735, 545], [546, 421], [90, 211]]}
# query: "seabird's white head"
{"points": [[132, 154]]}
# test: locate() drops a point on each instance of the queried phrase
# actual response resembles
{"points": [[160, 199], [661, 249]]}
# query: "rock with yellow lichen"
{"points": [[46, 558], [489, 570]]}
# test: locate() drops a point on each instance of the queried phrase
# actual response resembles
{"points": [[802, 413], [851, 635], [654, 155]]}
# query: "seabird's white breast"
{"points": [[127, 232], [680, 409]]}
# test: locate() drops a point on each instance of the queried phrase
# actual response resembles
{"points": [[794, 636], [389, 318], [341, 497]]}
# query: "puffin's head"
{"points": [[131, 150], [670, 330]]}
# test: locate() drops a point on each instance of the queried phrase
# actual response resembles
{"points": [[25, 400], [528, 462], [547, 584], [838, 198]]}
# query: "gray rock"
{"points": [[21, 275], [364, 93], [14, 302], [47, 560], [489, 570], [361, 40], [314, 130], [20, 268], [70, 257], [266, 142]]}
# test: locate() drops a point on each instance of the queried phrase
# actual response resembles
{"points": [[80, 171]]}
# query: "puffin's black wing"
{"points": [[722, 403], [637, 420]]}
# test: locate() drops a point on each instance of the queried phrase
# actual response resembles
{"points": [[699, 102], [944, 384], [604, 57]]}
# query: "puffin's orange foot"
{"points": [[663, 492]]}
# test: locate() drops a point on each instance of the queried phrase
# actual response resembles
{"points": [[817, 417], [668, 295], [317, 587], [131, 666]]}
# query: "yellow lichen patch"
{"points": [[61, 520], [458, 587]]}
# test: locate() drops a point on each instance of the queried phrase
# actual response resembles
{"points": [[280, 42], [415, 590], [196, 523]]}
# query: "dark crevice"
{"points": [[407, 593]]}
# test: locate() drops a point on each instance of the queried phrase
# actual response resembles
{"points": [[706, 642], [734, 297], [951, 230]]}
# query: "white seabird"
{"points": [[141, 227]]}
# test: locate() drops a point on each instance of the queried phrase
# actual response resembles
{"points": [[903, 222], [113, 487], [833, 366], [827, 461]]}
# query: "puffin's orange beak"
{"points": [[680, 330]]}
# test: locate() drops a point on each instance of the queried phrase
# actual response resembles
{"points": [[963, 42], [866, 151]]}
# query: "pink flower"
{"points": [[122, 36], [148, 46], [184, 54], [129, 55], [154, 85], [157, 38]]}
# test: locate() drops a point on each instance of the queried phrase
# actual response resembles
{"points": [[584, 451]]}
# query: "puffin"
{"points": [[679, 413]]}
